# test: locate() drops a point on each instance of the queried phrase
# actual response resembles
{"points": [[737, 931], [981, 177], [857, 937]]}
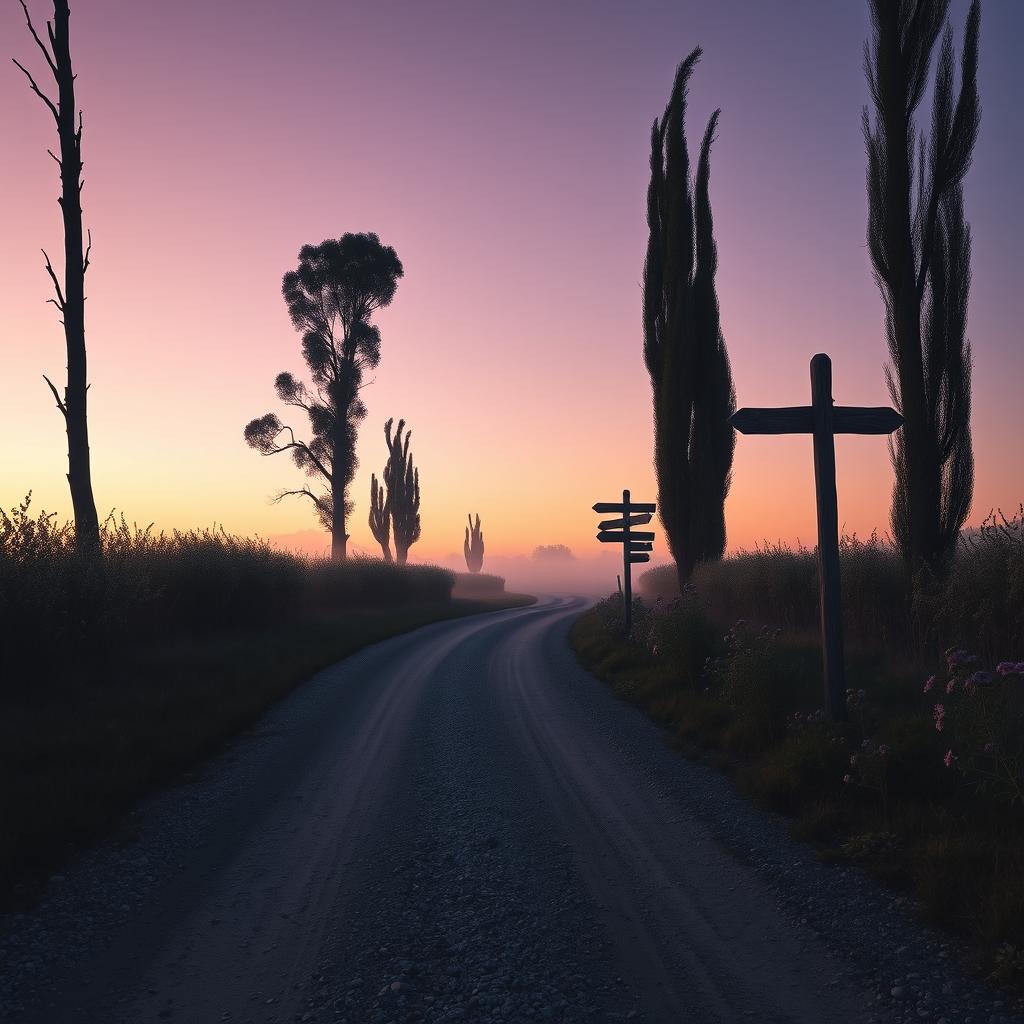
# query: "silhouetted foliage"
{"points": [[684, 350], [920, 249], [337, 287], [64, 614], [380, 516], [70, 300], [403, 483], [473, 547], [553, 553]]}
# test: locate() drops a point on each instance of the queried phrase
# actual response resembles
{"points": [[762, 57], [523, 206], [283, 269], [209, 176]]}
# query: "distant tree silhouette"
{"points": [[691, 381], [553, 553], [70, 298], [473, 547], [403, 484], [920, 248], [380, 517], [337, 287]]}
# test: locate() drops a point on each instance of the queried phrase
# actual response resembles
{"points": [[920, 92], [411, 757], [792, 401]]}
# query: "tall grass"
{"points": [[61, 611], [978, 604]]}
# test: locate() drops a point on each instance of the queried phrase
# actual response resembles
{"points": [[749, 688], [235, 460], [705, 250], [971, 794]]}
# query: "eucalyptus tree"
{"points": [[685, 353], [70, 297], [331, 298], [920, 246]]}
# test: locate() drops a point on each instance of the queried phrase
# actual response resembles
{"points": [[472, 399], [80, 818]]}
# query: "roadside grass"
{"points": [[874, 791]]}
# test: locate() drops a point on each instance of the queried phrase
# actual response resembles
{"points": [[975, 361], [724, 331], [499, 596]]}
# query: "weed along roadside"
{"points": [[921, 785], [200, 632]]}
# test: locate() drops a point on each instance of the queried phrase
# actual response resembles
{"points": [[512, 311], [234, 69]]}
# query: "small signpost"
{"points": [[635, 543], [824, 420]]}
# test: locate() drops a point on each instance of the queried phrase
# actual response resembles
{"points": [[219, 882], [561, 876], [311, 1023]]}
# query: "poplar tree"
{"points": [[920, 246], [403, 483], [685, 353]]}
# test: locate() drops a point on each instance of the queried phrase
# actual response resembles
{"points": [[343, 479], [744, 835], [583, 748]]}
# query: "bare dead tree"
{"points": [[70, 299]]}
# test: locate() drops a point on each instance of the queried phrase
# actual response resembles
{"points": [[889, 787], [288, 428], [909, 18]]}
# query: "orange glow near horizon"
{"points": [[510, 177]]}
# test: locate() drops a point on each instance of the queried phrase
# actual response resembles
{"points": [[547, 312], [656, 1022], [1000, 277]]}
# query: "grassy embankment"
{"points": [[116, 680], [929, 800]]}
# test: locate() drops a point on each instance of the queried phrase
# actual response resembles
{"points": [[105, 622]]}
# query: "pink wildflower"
{"points": [[929, 683], [951, 686], [846, 780], [939, 714], [948, 759]]}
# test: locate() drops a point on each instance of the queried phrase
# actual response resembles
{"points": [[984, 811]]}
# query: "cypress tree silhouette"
{"points": [[685, 353], [403, 483], [473, 548], [70, 300], [920, 248], [380, 517], [337, 287]]}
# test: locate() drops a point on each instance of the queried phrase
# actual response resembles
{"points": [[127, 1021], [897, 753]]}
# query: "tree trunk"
{"points": [[87, 531], [339, 538]]}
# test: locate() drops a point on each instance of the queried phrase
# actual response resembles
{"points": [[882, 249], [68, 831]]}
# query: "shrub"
{"points": [[62, 612]]}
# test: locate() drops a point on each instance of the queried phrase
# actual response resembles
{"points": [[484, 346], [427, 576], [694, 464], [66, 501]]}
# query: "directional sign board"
{"points": [[621, 524], [635, 543], [614, 506]]}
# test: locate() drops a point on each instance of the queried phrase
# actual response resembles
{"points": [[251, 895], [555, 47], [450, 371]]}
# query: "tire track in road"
{"points": [[696, 931]]}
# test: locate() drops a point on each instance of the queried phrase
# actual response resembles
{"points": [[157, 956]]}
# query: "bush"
{"points": [[483, 585], [62, 611]]}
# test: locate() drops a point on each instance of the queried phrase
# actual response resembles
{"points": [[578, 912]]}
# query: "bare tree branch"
{"points": [[56, 284], [56, 397], [39, 42], [35, 88], [88, 250]]}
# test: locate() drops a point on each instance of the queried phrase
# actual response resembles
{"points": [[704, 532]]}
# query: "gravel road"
{"points": [[460, 824]]}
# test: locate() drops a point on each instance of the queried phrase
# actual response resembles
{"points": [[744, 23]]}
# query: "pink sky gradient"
{"points": [[502, 150]]}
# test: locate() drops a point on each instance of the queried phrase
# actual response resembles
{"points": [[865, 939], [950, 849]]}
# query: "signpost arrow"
{"points": [[621, 536], [614, 506], [639, 558], [640, 545], [621, 524], [824, 420]]}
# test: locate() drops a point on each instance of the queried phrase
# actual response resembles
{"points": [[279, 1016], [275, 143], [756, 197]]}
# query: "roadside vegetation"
{"points": [[117, 675], [923, 785]]}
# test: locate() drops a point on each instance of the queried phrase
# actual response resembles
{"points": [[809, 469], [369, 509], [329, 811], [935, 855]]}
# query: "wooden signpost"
{"points": [[824, 420], [635, 543]]}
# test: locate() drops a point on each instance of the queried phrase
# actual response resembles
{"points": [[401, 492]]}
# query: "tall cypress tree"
{"points": [[685, 353], [920, 248]]}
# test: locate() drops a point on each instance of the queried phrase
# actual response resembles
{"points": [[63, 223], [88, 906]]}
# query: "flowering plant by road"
{"points": [[982, 714]]}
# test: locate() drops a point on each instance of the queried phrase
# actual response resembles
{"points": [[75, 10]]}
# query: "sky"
{"points": [[502, 149]]}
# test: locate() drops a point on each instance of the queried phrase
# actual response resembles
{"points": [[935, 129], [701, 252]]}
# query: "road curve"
{"points": [[458, 824]]}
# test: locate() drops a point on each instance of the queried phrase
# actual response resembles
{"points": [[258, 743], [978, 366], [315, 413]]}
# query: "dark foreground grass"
{"points": [[873, 791], [75, 754]]}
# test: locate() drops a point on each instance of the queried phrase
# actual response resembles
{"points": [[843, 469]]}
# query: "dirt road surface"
{"points": [[458, 824]]}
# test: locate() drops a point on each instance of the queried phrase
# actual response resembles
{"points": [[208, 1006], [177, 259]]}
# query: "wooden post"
{"points": [[627, 592], [828, 537]]}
